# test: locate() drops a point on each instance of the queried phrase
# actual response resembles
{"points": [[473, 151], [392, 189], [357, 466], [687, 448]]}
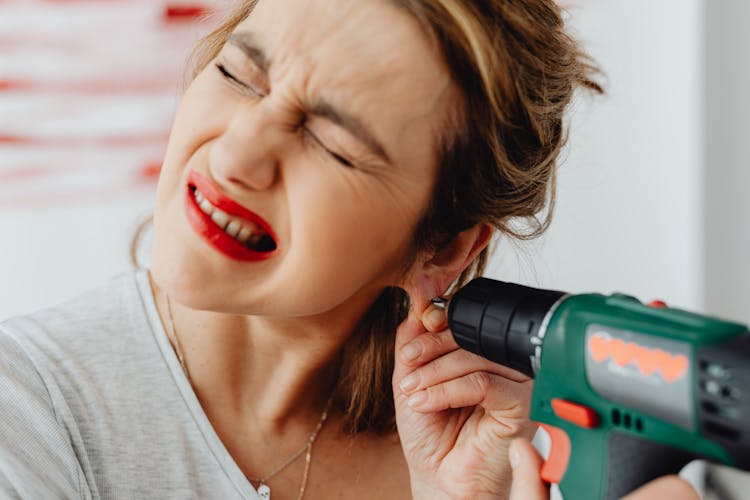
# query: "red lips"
{"points": [[213, 234]]}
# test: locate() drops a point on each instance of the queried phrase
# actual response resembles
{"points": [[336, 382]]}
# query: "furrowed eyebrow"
{"points": [[352, 124], [245, 41]]}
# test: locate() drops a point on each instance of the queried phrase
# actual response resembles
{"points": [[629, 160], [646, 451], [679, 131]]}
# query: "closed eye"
{"points": [[339, 158], [343, 161], [228, 75], [232, 79]]}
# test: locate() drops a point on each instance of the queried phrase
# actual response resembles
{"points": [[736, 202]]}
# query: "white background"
{"points": [[651, 197], [652, 193]]}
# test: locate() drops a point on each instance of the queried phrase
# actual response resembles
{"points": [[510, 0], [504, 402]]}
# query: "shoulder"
{"points": [[82, 327], [36, 458], [111, 301], [97, 348], [63, 369], [71, 347]]}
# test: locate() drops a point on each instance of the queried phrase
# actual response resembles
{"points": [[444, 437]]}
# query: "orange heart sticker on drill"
{"points": [[647, 361], [599, 347]]}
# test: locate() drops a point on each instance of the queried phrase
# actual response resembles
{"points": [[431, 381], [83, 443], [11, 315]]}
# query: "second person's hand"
{"points": [[528, 485]]}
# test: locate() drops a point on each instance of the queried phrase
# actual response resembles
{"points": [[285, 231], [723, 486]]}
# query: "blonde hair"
{"points": [[517, 70]]}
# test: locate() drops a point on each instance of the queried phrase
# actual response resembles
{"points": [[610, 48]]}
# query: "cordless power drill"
{"points": [[627, 391]]}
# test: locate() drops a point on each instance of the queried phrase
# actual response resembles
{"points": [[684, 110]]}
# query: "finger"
{"points": [[493, 392], [421, 350], [452, 365], [526, 463], [664, 487], [424, 348], [435, 318], [407, 331]]}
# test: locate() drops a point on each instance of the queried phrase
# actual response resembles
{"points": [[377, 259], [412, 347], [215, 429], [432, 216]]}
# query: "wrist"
{"points": [[424, 491], [419, 492], [439, 495]]}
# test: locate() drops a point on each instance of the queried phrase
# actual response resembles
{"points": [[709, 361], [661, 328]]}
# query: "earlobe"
{"points": [[432, 277]]}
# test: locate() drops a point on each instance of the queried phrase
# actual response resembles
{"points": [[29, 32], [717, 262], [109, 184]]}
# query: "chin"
{"points": [[174, 275]]}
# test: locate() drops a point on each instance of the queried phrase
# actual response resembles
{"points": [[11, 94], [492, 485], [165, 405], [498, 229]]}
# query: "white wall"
{"points": [[630, 207], [68, 206], [727, 172], [52, 255], [638, 210]]}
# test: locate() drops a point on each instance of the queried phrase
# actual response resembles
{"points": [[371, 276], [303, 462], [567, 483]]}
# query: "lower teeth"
{"points": [[258, 244]]}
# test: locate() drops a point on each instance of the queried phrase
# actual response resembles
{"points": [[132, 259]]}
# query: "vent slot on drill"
{"points": [[625, 420], [721, 431]]}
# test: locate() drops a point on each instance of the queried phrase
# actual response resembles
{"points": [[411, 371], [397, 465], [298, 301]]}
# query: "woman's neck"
{"points": [[268, 374]]}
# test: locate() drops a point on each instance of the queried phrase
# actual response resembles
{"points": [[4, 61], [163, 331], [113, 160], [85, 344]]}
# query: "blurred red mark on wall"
{"points": [[177, 12], [105, 140], [166, 25], [89, 88], [101, 194], [86, 1], [22, 173], [150, 171]]}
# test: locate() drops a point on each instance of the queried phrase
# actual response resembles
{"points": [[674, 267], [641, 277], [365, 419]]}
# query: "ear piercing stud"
{"points": [[440, 302]]}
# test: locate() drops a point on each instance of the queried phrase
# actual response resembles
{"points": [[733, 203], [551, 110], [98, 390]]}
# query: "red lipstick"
{"points": [[214, 235]]}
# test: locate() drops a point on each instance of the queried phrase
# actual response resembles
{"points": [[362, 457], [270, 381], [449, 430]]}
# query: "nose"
{"points": [[246, 153]]}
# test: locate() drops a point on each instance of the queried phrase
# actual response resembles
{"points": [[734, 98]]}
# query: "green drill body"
{"points": [[649, 422], [628, 392]]}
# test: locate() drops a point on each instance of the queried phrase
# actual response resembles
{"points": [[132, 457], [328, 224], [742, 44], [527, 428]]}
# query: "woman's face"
{"points": [[316, 129]]}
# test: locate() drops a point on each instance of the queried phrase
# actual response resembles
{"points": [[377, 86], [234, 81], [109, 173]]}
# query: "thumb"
{"points": [[526, 462], [665, 487], [409, 329]]}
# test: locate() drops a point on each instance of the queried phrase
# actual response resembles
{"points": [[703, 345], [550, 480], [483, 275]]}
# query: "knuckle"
{"points": [[517, 427], [481, 382], [435, 342], [525, 393], [437, 395], [434, 369], [470, 358]]}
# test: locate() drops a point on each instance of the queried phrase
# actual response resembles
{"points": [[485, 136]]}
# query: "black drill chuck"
{"points": [[499, 320]]}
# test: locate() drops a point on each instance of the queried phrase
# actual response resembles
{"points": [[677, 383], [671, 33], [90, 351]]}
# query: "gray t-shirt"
{"points": [[94, 404]]}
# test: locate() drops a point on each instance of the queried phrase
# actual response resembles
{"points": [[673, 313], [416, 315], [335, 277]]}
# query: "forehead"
{"points": [[367, 57]]}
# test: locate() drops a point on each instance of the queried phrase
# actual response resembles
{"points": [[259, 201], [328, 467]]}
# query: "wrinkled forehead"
{"points": [[367, 56]]}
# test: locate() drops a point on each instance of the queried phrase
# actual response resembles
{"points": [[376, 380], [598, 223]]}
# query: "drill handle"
{"points": [[633, 461], [607, 465]]}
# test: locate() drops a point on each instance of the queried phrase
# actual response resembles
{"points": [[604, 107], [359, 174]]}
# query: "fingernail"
{"points": [[515, 457], [410, 382], [417, 399], [411, 351], [434, 318]]}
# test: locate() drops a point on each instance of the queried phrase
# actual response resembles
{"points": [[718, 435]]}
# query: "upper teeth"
{"points": [[242, 230]]}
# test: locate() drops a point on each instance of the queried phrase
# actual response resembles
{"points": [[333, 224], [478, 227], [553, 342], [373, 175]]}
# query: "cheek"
{"points": [[349, 227], [201, 116], [204, 112]]}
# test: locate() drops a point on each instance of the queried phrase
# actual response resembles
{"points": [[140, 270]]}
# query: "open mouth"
{"points": [[226, 225], [245, 232]]}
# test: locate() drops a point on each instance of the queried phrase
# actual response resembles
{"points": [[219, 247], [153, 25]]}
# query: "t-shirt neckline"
{"points": [[214, 443]]}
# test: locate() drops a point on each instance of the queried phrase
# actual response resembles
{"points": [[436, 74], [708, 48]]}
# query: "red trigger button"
{"points": [[581, 415], [553, 469], [659, 304]]}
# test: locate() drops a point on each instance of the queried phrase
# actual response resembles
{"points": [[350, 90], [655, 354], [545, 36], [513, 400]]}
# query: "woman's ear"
{"points": [[432, 274]]}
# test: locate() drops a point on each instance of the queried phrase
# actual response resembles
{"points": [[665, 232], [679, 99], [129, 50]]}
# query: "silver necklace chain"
{"points": [[263, 488]]}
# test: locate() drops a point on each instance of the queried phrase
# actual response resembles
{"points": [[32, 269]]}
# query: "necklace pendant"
{"points": [[264, 491]]}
